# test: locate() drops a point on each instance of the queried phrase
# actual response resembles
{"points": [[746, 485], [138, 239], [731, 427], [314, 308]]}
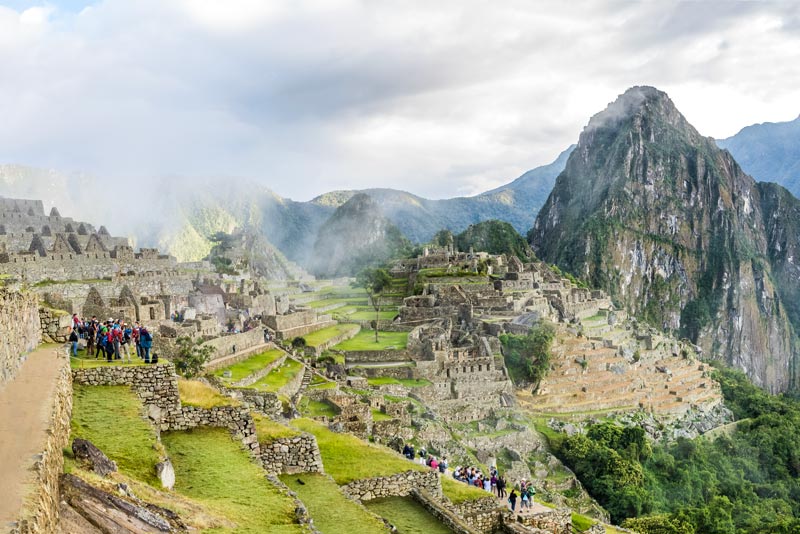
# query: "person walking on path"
{"points": [[512, 499], [73, 338]]}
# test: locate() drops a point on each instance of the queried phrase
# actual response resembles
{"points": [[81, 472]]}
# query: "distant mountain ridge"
{"points": [[769, 152], [180, 216]]}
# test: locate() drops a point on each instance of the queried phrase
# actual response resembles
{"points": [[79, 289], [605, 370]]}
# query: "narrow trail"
{"points": [[26, 405]]}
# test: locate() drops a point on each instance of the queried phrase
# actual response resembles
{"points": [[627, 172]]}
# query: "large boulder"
{"points": [[166, 473], [98, 462]]}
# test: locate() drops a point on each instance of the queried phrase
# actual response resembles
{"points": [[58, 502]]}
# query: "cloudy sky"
{"points": [[438, 98]]}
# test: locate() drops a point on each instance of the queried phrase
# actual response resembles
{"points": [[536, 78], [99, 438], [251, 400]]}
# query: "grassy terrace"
{"points": [[109, 417], [365, 340], [212, 469], [314, 408], [249, 366], [315, 339], [347, 458], [279, 377], [333, 513], [201, 395], [268, 430], [459, 492], [357, 301], [407, 515], [408, 382], [87, 362]]}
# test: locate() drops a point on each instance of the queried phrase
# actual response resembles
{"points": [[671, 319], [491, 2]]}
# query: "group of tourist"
{"points": [[112, 339], [493, 483]]}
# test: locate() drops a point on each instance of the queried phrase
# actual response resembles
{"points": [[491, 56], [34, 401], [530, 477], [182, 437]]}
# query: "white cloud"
{"points": [[437, 98]]}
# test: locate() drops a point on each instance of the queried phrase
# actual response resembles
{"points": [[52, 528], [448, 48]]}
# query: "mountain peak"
{"points": [[637, 100]]}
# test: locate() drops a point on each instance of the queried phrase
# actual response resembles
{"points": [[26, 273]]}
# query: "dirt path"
{"points": [[26, 404]]}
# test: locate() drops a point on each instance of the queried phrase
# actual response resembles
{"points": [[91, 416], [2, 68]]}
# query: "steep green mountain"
{"points": [[494, 237], [769, 152], [356, 235], [248, 251], [675, 231]]}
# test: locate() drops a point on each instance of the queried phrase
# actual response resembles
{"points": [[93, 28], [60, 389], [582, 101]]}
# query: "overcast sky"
{"points": [[437, 98]]}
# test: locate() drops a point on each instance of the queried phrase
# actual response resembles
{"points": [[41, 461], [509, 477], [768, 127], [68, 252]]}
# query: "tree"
{"points": [[191, 356], [375, 282]]}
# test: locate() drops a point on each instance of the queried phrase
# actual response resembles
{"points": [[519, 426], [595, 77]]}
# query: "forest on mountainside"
{"points": [[745, 480]]}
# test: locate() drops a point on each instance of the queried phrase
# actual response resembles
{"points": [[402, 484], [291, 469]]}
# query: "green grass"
{"points": [[249, 366], [347, 458], [408, 382], [315, 408], [355, 301], [378, 415], [323, 385], [459, 492], [333, 513], [407, 515], [110, 417], [279, 377], [365, 340], [268, 430], [581, 522], [211, 468], [85, 362], [201, 395], [370, 315], [315, 339]]}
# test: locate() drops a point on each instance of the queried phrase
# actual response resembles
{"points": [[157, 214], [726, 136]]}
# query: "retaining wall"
{"points": [[440, 512], [399, 485], [224, 345], [154, 384], [297, 454], [483, 515], [237, 419], [20, 330]]}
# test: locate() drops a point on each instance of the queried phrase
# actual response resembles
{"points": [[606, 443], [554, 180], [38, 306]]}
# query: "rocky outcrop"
{"points": [[675, 231], [122, 513], [98, 462]]}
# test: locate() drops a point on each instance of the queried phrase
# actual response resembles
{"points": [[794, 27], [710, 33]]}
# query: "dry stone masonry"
{"points": [[297, 454], [20, 330]]}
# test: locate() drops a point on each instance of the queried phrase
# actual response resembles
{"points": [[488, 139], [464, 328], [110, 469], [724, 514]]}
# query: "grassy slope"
{"points": [[459, 492], [201, 395], [268, 430], [347, 458], [365, 340], [407, 515], [109, 417], [249, 366], [333, 513], [279, 377], [319, 337], [213, 469], [408, 382]]}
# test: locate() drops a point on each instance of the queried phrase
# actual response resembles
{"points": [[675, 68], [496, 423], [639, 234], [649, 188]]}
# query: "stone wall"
{"points": [[20, 330], [376, 356], [263, 402], [440, 512], [155, 385], [298, 454], [556, 521], [241, 356], [399, 485], [40, 514], [55, 325], [237, 419], [483, 515], [225, 345], [317, 350]]}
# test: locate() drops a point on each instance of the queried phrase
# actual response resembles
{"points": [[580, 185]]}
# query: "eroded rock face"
{"points": [[114, 514], [675, 231], [86, 451]]}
